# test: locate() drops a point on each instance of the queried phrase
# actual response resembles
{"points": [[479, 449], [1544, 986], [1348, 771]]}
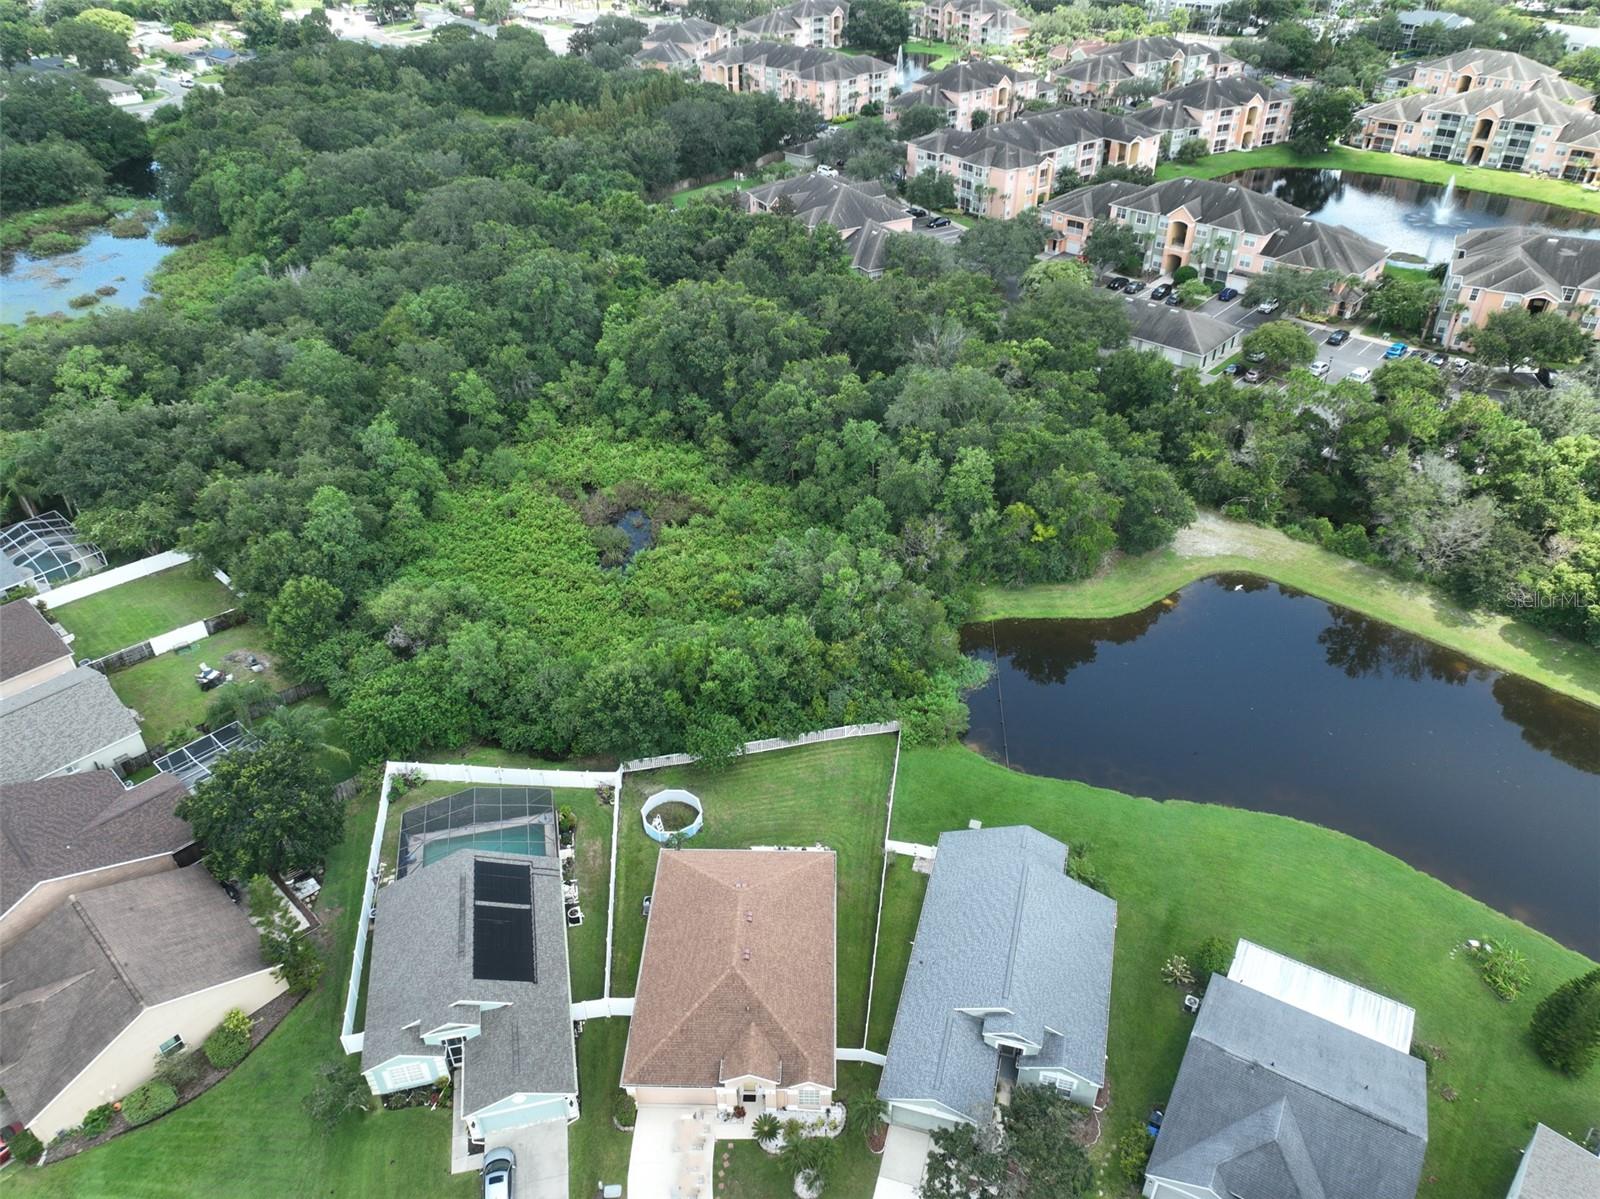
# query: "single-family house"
{"points": [[1511, 130], [1495, 70], [977, 85], [1491, 270], [469, 975], [1231, 113], [836, 85], [112, 980], [76, 832], [69, 723], [32, 650], [1553, 1167], [120, 94], [1425, 26], [1009, 983], [735, 1001], [970, 22], [1160, 62], [1181, 336], [1294, 1083], [861, 212], [807, 24], [1577, 37]]}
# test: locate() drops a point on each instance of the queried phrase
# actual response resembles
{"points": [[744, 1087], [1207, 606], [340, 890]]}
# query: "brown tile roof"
{"points": [[738, 970], [26, 639]]}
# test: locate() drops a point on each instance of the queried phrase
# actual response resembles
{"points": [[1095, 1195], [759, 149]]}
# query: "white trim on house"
{"points": [[61, 878]]}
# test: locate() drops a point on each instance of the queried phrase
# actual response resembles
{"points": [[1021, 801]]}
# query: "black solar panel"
{"points": [[501, 882], [502, 922]]}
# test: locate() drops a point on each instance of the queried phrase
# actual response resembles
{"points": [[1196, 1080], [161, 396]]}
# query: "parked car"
{"points": [[914, 210], [1269, 306], [1320, 369], [1361, 374], [1231, 369], [1338, 337], [1397, 350], [185, 80], [1419, 352], [1256, 356], [1161, 291], [1252, 375], [1116, 283], [939, 222], [1462, 366], [1228, 293], [1135, 286], [498, 1167], [825, 169], [1437, 360]]}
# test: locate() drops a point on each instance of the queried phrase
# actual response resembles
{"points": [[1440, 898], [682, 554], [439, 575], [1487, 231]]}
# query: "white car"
{"points": [[1361, 374], [1269, 306], [185, 80], [1320, 369]]}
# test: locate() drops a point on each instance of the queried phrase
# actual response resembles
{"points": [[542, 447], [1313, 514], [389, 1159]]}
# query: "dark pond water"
{"points": [[636, 526], [39, 286], [1407, 215], [1239, 692]]}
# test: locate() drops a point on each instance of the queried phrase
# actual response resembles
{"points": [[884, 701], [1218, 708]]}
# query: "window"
{"points": [[1568, 294], [411, 1074], [1474, 294], [746, 1097], [808, 1097], [172, 1045]]}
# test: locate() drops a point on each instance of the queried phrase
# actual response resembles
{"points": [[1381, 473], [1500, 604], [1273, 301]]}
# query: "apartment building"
{"points": [[971, 23], [1492, 270], [1495, 70], [681, 45], [1165, 61], [1232, 113], [809, 24], [964, 88], [861, 212], [836, 85], [1425, 24], [1003, 170], [1512, 130]]}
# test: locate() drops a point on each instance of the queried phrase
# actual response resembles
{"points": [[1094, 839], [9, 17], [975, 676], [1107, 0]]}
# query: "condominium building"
{"points": [[1165, 62], [836, 85], [1424, 25], [809, 24], [1514, 130], [682, 44], [964, 88], [1232, 113], [1003, 170], [1495, 70], [861, 212], [971, 22], [1493, 270]]}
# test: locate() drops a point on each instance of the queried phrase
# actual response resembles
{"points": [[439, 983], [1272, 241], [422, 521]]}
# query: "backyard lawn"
{"points": [[744, 1170], [834, 793], [133, 612], [596, 1151], [162, 689], [1182, 871], [903, 889]]}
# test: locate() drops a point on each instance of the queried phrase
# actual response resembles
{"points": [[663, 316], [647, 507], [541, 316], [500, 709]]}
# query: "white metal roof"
{"points": [[1374, 1016]]}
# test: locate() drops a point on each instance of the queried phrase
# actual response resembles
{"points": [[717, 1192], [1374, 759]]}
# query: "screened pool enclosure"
{"points": [[509, 820]]}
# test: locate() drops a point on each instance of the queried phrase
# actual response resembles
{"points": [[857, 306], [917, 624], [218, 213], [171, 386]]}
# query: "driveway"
{"points": [[905, 1154], [672, 1153], [541, 1151]]}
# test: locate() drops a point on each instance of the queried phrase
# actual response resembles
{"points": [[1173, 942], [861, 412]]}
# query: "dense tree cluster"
{"points": [[60, 137]]}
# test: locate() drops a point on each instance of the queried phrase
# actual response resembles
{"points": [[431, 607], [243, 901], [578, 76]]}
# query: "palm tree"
{"points": [[765, 1128], [866, 1112], [312, 726]]}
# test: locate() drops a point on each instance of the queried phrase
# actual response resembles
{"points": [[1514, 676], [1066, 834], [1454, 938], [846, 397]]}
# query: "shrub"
{"points": [[1131, 1152], [87, 300], [568, 818], [1183, 274], [341, 1092], [175, 235], [765, 1128], [1505, 970], [226, 1047], [144, 1104], [181, 1069], [1566, 1024], [1176, 971], [1192, 151], [1214, 956], [97, 1119], [624, 1110], [105, 289], [25, 1147], [129, 227], [44, 245]]}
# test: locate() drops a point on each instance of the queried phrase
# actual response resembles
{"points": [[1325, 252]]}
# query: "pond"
{"points": [[32, 286], [1237, 691], [1408, 216]]}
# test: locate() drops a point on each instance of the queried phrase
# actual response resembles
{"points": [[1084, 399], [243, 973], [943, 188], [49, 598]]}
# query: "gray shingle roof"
{"points": [[808, 62], [685, 32], [1002, 927], [27, 641], [58, 722], [1178, 328], [1521, 261], [1573, 125], [670, 53], [76, 822], [971, 76], [1271, 1100], [1556, 1168], [1503, 64], [73, 982], [1027, 140], [422, 964]]}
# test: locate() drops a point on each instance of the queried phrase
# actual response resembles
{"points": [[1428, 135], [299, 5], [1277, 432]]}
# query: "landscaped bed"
{"points": [[743, 1170], [133, 612]]}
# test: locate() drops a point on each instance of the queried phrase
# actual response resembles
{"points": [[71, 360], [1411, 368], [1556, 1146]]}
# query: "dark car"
{"points": [[1338, 337], [939, 222], [916, 211], [1228, 293], [1116, 283], [1437, 360], [1173, 300], [1161, 291], [1135, 286]]}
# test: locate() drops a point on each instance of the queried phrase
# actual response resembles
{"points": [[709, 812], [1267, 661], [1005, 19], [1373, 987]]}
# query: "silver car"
{"points": [[498, 1167]]}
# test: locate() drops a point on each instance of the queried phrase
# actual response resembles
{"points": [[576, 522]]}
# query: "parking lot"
{"points": [[950, 234]]}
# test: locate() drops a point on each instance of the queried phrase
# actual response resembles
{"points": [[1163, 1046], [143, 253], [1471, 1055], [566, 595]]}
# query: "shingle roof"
{"points": [[1555, 1168], [973, 75], [1204, 95], [738, 970], [808, 62], [27, 640], [1503, 64], [73, 982], [1271, 1100], [844, 204], [1521, 261], [1177, 328], [687, 31], [1092, 201], [1004, 928], [58, 722], [1316, 245], [423, 964], [1572, 125], [66, 825], [1027, 140], [670, 53]]}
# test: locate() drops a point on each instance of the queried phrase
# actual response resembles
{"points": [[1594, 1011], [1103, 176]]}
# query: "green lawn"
{"points": [[137, 611], [689, 195], [903, 889], [249, 1136], [835, 793], [1214, 545], [163, 691], [596, 1151], [1183, 871], [744, 1170], [1342, 158], [944, 53]]}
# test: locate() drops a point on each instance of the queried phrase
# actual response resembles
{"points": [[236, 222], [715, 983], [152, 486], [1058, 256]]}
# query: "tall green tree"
{"points": [[879, 27], [1513, 336], [1113, 246], [1295, 290], [1566, 1025], [98, 50], [1322, 115], [1284, 343]]}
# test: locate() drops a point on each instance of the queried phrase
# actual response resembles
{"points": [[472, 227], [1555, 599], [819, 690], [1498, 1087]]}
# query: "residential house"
{"points": [[862, 213], [1295, 1083], [120, 94], [220, 57], [1009, 983], [69, 723], [1005, 169], [735, 1001], [695, 37], [469, 975], [666, 56], [76, 832], [978, 85], [1232, 113], [1553, 1167], [1225, 231], [1495, 70], [1577, 37], [1183, 337], [836, 85], [1160, 62], [45, 551], [1512, 130], [1492, 270], [970, 23], [32, 650], [115, 978], [1426, 25], [810, 24]]}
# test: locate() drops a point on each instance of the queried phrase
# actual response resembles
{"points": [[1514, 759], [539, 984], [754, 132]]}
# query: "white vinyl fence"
{"points": [[105, 580]]}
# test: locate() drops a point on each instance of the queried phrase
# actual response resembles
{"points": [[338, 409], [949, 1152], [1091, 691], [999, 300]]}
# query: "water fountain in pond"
{"points": [[1444, 207], [900, 66]]}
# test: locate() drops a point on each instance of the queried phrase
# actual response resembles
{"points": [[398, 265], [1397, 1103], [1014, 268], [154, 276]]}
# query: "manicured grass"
{"points": [[1371, 162], [710, 189], [744, 1170], [163, 691], [137, 611], [596, 1151], [1182, 871], [944, 53], [249, 1136], [835, 793], [903, 889], [1213, 545]]}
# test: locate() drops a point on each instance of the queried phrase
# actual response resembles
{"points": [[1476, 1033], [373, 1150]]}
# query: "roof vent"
{"points": [[749, 917], [745, 954]]}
